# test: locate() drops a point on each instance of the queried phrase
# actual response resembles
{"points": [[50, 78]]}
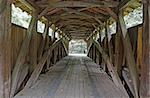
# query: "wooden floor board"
{"points": [[73, 77]]}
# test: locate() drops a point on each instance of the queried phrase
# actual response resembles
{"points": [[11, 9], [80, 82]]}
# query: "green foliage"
{"points": [[23, 19], [19, 17], [134, 18], [77, 46]]}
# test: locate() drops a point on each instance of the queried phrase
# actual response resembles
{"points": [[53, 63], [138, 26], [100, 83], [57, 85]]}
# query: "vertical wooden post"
{"points": [[110, 67], [60, 50], [119, 53], [97, 57], [58, 53], [5, 48], [106, 43], [53, 33], [55, 54], [145, 67], [129, 55], [94, 56], [90, 53], [49, 58], [33, 49], [42, 44], [139, 48], [91, 50], [22, 55], [100, 56], [105, 47], [40, 65], [108, 40]]}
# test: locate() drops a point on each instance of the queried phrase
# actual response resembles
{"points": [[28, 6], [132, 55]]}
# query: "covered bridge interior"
{"points": [[36, 65]]}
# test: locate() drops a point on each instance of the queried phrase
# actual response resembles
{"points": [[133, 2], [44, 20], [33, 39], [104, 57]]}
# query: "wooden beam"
{"points": [[145, 67], [127, 78], [22, 54], [5, 48], [77, 27], [33, 49], [70, 16], [74, 21], [42, 44], [108, 34], [122, 25], [65, 25], [94, 54], [112, 13], [125, 3], [23, 73], [83, 14], [119, 53], [129, 56], [110, 67], [86, 8], [65, 46], [64, 4], [27, 4], [55, 54], [71, 11], [40, 65]]}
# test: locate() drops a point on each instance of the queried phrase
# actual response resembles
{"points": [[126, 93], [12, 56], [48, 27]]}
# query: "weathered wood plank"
{"points": [[40, 65], [5, 48], [55, 54], [22, 55], [87, 4], [33, 49], [65, 46], [23, 73], [64, 4], [73, 77], [129, 56], [108, 34], [119, 53], [111, 69], [139, 49], [145, 67], [42, 44], [127, 78]]}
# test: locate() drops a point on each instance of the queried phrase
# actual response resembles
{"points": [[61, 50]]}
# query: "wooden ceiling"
{"points": [[76, 18]]}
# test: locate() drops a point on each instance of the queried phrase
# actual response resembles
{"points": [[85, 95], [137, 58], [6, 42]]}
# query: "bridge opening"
{"points": [[78, 47]]}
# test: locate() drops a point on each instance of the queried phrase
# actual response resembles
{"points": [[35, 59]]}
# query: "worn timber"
{"points": [[34, 64], [73, 77]]}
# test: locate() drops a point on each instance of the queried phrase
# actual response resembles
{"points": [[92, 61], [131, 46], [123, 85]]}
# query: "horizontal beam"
{"points": [[61, 4], [28, 4], [124, 3], [74, 21], [83, 14], [69, 16], [63, 24]]}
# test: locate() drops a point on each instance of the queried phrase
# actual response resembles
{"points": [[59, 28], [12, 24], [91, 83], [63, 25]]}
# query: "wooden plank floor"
{"points": [[73, 77]]}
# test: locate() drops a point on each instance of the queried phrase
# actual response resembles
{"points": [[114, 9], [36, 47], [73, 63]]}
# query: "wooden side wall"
{"points": [[42, 53], [135, 37], [18, 35]]}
